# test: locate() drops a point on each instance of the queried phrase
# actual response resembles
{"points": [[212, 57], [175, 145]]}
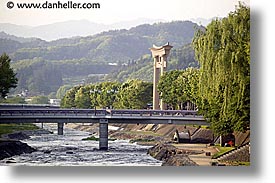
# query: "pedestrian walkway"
{"points": [[203, 158]]}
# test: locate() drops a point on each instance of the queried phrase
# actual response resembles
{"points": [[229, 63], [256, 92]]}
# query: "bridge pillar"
{"points": [[60, 128], [103, 134]]}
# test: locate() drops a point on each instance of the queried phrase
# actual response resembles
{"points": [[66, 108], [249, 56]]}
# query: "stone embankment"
{"points": [[241, 154], [171, 156]]}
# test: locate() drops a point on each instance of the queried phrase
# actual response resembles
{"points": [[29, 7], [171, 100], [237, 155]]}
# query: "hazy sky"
{"points": [[112, 11]]}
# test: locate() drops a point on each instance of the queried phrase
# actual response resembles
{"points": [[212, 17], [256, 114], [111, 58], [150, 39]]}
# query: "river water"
{"points": [[70, 150]]}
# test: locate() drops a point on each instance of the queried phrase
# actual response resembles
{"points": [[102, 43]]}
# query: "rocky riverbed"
{"points": [[158, 136], [172, 156], [9, 148], [10, 144], [70, 150]]}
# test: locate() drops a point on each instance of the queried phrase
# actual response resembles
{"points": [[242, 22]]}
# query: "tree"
{"points": [[7, 76], [178, 87], [61, 92], [68, 101], [14, 100], [40, 100], [169, 90], [134, 94], [108, 94], [82, 97], [223, 52]]}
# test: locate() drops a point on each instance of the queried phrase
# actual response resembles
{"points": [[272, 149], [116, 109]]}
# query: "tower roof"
{"points": [[161, 50]]}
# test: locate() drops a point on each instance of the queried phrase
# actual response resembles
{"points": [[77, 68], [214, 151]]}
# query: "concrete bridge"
{"points": [[101, 116]]}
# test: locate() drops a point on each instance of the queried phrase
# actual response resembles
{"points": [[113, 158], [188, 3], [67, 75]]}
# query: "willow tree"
{"points": [[223, 52]]}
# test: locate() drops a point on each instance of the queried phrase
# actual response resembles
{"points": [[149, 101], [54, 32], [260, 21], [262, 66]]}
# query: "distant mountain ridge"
{"points": [[105, 47], [68, 29]]}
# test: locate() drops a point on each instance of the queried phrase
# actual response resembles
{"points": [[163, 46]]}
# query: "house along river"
{"points": [[70, 150]]}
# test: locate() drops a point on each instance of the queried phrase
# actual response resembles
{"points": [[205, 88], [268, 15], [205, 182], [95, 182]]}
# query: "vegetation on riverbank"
{"points": [[223, 52], [133, 94], [10, 128], [238, 163], [221, 151], [93, 138], [141, 140]]}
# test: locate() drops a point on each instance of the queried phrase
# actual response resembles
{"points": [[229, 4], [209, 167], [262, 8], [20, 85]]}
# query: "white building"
{"points": [[54, 101]]}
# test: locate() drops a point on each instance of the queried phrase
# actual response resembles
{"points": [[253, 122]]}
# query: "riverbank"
{"points": [[160, 138], [198, 151], [172, 156], [10, 144], [9, 148]]}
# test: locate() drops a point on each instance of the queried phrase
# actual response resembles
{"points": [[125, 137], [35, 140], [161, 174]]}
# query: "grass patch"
{"points": [[10, 128], [222, 150], [142, 133], [93, 138], [141, 140], [200, 126], [239, 163]]}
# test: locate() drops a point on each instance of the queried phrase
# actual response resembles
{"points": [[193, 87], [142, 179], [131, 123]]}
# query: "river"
{"points": [[70, 150]]}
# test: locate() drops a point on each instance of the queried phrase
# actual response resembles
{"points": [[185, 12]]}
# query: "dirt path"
{"points": [[201, 159]]}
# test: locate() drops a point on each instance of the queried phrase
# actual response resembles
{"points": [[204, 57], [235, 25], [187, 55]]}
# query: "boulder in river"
{"points": [[170, 155], [9, 148]]}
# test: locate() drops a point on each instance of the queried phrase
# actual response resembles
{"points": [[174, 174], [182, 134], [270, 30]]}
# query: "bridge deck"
{"points": [[93, 116]]}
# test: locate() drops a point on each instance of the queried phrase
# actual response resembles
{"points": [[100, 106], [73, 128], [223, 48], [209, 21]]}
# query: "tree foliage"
{"points": [[7, 76], [179, 87], [223, 51], [61, 92], [68, 101], [14, 100], [134, 94], [39, 100]]}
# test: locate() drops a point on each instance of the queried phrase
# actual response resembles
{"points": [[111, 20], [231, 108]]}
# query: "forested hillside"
{"points": [[71, 61], [179, 59]]}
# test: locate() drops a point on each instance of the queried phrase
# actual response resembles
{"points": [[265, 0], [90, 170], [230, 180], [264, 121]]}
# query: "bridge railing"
{"points": [[146, 112], [28, 106], [51, 111], [98, 112]]}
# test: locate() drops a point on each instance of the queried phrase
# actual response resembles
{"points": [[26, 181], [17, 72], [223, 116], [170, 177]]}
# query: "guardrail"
{"points": [[151, 112], [53, 112], [30, 106], [92, 112]]}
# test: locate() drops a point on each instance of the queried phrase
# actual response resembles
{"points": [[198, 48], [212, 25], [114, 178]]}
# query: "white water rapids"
{"points": [[70, 150]]}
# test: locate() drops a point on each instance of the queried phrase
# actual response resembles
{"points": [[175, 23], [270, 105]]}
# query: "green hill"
{"points": [[142, 68], [73, 60]]}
